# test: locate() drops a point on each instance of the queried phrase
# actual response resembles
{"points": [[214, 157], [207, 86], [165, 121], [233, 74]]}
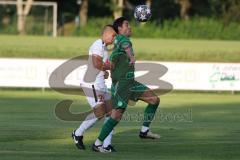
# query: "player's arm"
{"points": [[99, 64], [129, 50]]}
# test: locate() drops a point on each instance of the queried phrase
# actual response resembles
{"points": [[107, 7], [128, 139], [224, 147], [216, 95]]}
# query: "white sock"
{"points": [[107, 141], [86, 124], [98, 142], [144, 129]]}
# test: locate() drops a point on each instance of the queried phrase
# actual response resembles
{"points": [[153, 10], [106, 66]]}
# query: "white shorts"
{"points": [[92, 91]]}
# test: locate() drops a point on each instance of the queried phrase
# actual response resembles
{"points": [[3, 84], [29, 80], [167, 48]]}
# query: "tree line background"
{"points": [[226, 10], [204, 19]]}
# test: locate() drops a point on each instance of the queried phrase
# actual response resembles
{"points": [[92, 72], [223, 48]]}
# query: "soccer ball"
{"points": [[142, 13]]}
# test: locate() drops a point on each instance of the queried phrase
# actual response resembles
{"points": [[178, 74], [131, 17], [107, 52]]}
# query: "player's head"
{"points": [[108, 34], [122, 26]]}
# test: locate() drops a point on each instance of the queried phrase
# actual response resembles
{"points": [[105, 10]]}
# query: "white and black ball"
{"points": [[142, 13]]}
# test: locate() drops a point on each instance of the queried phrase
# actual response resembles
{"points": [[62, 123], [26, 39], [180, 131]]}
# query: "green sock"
{"points": [[107, 128], [149, 114]]}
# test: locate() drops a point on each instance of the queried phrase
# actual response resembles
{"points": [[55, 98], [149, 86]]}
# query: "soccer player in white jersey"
{"points": [[96, 90]]}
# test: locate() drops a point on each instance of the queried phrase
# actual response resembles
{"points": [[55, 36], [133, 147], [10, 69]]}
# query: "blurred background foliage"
{"points": [[187, 19]]}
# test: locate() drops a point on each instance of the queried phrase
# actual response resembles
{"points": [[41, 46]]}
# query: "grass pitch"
{"points": [[192, 125], [145, 49]]}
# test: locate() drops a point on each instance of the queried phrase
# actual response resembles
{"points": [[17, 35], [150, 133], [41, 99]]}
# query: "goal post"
{"points": [[39, 3]]}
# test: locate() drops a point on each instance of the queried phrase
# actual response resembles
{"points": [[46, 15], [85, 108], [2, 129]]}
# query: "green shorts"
{"points": [[126, 90]]}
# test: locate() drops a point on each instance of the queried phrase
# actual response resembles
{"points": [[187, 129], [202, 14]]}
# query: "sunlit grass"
{"points": [[145, 49], [29, 129]]}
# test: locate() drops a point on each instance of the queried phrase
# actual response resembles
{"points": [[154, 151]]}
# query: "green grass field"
{"points": [[145, 49], [30, 130]]}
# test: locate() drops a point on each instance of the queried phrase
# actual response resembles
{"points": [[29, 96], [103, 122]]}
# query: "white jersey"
{"points": [[100, 49], [93, 89], [97, 48]]}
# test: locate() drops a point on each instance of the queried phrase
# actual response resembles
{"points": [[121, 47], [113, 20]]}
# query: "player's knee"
{"points": [[117, 114], [99, 115], [155, 100], [99, 112], [108, 113]]}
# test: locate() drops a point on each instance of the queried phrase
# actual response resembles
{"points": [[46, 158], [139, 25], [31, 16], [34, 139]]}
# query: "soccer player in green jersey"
{"points": [[124, 87]]}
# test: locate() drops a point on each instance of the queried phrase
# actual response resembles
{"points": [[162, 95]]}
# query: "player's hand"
{"points": [[106, 65], [106, 74], [100, 98]]}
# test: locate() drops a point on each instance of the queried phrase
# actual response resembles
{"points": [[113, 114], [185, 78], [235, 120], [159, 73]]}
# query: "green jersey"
{"points": [[124, 87], [123, 70]]}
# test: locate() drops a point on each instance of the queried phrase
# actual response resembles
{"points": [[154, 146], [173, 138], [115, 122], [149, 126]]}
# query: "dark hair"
{"points": [[118, 23]]}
